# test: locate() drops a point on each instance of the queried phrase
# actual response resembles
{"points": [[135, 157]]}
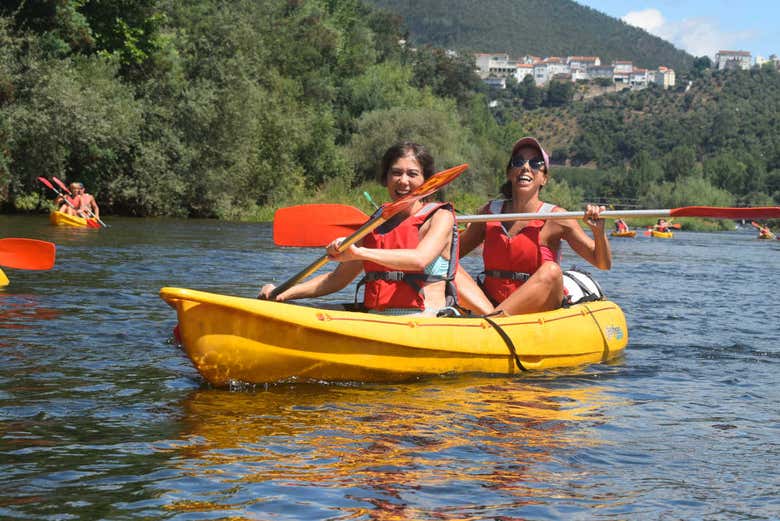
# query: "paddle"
{"points": [[429, 187], [27, 254], [92, 215], [370, 199], [331, 220], [318, 220]]}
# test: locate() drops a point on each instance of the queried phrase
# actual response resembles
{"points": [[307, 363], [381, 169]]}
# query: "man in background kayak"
{"points": [[87, 206], [69, 204]]}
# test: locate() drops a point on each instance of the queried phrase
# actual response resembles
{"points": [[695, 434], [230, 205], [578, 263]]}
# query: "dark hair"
{"points": [[399, 150]]}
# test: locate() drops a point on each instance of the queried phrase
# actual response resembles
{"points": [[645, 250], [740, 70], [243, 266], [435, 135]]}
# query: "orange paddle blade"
{"points": [[27, 254], [310, 225]]}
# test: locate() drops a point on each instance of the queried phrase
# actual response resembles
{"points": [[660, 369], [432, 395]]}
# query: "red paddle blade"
{"points": [[27, 254], [61, 185], [311, 225], [715, 212], [47, 183], [92, 223]]}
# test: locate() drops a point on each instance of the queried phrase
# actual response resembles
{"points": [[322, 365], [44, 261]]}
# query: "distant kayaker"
{"points": [[409, 261], [87, 203], [621, 226], [521, 258], [661, 225], [69, 204]]}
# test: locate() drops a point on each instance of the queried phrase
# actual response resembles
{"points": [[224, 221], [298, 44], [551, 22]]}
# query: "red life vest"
{"points": [[386, 288], [510, 261]]}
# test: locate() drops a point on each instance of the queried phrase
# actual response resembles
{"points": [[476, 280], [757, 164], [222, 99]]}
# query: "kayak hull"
{"points": [[630, 233], [3, 279], [240, 340], [662, 235], [63, 219]]}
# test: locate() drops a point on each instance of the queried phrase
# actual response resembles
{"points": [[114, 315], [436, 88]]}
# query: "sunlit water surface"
{"points": [[103, 417]]}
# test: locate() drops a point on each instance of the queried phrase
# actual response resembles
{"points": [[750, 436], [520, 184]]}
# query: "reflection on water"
{"points": [[23, 311], [383, 444], [102, 418]]}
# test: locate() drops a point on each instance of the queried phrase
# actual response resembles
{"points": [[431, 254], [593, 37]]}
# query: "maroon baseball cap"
{"points": [[532, 142]]}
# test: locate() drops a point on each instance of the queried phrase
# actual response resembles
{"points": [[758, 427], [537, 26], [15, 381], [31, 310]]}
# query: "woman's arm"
{"points": [[324, 284], [432, 243]]}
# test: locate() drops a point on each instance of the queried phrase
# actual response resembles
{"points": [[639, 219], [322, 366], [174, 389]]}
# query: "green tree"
{"points": [[559, 93]]}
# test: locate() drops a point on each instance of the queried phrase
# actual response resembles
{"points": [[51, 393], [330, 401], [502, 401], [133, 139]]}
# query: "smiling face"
{"points": [[404, 176], [530, 174]]}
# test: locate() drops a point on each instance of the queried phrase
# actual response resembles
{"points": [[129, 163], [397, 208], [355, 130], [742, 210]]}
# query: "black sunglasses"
{"points": [[536, 163]]}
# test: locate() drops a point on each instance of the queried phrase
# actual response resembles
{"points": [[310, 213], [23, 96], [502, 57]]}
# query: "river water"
{"points": [[103, 417]]}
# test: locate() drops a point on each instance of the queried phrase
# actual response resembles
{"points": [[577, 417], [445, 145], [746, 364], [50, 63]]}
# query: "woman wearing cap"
{"points": [[521, 258], [409, 261]]}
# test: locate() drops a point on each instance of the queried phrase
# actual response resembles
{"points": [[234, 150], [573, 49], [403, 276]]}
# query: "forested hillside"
{"points": [[232, 109], [535, 27]]}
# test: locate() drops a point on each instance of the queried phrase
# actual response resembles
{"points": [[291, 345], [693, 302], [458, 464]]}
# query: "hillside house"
{"points": [[732, 60], [546, 69], [523, 70], [495, 64], [495, 68], [639, 78], [622, 72], [579, 66], [664, 77]]}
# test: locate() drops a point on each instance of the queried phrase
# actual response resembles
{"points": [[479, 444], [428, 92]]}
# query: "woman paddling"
{"points": [[521, 258], [409, 261]]}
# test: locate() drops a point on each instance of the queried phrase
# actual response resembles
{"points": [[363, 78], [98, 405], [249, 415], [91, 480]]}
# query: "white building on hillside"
{"points": [[546, 69], [490, 62], [495, 68], [664, 77], [638, 78], [523, 70], [622, 72], [732, 60], [579, 66]]}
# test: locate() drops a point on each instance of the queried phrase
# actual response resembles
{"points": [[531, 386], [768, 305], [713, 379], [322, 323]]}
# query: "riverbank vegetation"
{"points": [[232, 109]]}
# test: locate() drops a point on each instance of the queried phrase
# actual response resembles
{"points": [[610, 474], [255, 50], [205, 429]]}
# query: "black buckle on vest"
{"points": [[511, 275]]}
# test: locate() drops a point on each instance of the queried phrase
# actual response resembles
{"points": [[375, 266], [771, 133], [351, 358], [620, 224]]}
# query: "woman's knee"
{"points": [[550, 273]]}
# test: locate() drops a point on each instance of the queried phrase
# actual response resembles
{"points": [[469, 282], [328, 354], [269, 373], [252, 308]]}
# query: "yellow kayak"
{"points": [[630, 233], [661, 235], [3, 279], [243, 340], [63, 219]]}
